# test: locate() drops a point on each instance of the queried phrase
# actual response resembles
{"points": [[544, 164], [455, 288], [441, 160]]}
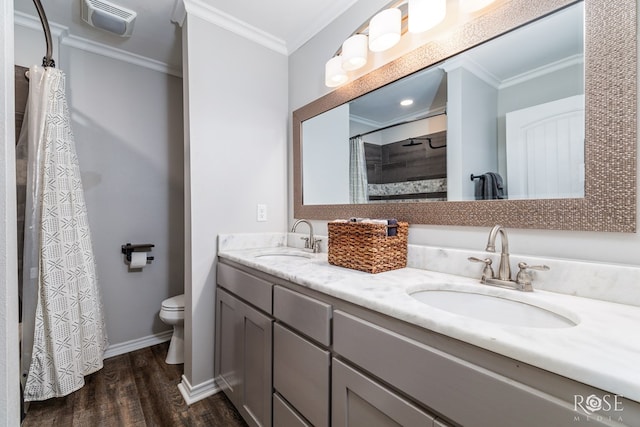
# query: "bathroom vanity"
{"points": [[300, 342]]}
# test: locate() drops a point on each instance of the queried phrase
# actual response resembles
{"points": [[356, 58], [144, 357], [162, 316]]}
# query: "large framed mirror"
{"points": [[449, 142]]}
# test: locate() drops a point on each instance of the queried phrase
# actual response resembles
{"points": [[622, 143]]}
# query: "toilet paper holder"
{"points": [[128, 248]]}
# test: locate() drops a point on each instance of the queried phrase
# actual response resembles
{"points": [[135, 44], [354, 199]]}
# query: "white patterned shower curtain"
{"points": [[64, 335], [358, 183]]}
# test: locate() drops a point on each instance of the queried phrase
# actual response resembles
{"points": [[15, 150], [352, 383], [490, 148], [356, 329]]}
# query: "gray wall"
{"points": [[235, 145]]}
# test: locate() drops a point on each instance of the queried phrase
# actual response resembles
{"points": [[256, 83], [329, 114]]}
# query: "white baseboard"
{"points": [[137, 344], [193, 394]]}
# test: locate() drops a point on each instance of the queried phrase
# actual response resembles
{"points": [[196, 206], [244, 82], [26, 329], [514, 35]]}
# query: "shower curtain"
{"points": [[64, 335], [358, 192]]}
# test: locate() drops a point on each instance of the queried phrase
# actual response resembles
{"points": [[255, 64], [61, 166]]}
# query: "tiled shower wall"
{"points": [[401, 171], [22, 90]]}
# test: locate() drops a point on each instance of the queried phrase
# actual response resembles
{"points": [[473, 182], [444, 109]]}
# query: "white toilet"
{"points": [[172, 313]]}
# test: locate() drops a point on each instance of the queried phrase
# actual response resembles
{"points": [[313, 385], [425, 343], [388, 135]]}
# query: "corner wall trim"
{"points": [[203, 10], [193, 394], [118, 54], [66, 39], [137, 344]]}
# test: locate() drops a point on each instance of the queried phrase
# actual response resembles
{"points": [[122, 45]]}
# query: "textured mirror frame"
{"points": [[610, 129]]}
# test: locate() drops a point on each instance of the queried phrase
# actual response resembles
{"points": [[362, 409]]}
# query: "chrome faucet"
{"points": [[309, 242], [504, 268], [523, 279]]}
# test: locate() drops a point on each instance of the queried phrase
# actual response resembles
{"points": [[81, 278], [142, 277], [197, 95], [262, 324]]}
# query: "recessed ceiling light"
{"points": [[406, 102]]}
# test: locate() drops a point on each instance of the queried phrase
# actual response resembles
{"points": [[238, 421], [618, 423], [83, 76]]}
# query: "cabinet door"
{"points": [[360, 401], [257, 330], [228, 354], [244, 357]]}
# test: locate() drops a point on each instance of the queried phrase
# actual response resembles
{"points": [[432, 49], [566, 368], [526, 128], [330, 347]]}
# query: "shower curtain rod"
{"points": [[47, 60], [399, 124]]}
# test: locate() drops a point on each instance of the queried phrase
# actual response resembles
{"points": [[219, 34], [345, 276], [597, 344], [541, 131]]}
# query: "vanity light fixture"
{"points": [[426, 14], [334, 74], [470, 6], [385, 30], [354, 52]]}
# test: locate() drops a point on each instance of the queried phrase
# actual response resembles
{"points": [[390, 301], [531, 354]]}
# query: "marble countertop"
{"points": [[602, 350]]}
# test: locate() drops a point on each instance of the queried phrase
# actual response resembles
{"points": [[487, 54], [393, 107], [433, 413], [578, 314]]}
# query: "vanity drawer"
{"points": [[307, 315], [255, 291], [285, 415], [301, 374], [357, 400], [465, 392]]}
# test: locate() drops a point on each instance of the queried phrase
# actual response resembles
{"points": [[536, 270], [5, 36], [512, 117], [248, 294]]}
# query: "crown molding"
{"points": [[462, 61], [179, 13], [119, 54], [400, 120], [577, 59], [33, 23], [61, 34], [480, 72], [228, 22]]}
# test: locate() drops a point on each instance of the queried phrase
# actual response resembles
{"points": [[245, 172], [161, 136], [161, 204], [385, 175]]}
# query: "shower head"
{"points": [[411, 143]]}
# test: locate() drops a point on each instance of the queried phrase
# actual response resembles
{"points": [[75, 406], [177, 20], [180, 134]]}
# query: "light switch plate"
{"points": [[261, 213]]}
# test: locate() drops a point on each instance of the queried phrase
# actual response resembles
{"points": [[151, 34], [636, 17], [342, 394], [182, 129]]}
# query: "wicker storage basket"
{"points": [[366, 247]]}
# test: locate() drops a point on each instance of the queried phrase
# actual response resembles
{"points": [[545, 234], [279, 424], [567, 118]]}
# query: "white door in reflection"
{"points": [[545, 150]]}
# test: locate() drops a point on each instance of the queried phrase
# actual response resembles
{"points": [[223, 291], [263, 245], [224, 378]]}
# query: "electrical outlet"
{"points": [[261, 213]]}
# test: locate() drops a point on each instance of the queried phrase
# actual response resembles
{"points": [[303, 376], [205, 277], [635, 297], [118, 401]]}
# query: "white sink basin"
{"points": [[494, 309], [284, 254]]}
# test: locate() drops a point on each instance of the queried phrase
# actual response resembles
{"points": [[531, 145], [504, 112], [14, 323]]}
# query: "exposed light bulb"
{"points": [[406, 102]]}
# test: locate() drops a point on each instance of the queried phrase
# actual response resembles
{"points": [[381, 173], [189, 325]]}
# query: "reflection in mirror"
{"points": [[504, 120]]}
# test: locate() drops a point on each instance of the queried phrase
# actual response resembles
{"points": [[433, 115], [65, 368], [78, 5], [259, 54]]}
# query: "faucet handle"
{"points": [[524, 266], [316, 245], [487, 272], [306, 242], [524, 278]]}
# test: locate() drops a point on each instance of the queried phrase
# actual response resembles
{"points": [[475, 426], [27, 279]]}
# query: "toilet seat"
{"points": [[174, 303]]}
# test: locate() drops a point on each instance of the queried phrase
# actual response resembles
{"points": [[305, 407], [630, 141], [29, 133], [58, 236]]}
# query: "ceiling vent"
{"points": [[108, 16]]}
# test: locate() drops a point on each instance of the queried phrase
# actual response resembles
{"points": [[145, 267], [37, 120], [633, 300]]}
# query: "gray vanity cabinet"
{"points": [[243, 358], [357, 400], [290, 356]]}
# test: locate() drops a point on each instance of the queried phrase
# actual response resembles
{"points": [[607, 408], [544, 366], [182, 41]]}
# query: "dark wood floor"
{"points": [[134, 389]]}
